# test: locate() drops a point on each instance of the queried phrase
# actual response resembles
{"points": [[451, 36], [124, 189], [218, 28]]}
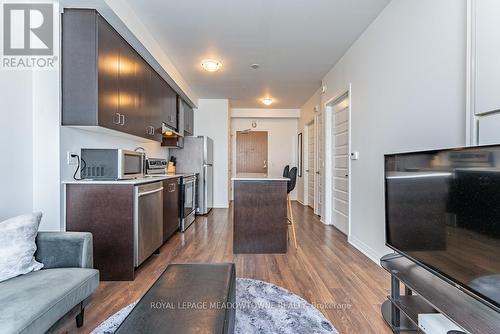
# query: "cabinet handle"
{"points": [[148, 130], [122, 122], [114, 118]]}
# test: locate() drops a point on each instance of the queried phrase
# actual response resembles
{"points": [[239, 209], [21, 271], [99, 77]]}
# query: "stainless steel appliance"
{"points": [[111, 164], [148, 220], [156, 166], [197, 156], [188, 201]]}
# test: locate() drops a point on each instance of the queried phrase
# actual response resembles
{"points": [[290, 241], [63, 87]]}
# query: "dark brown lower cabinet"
{"points": [[260, 221], [106, 211], [170, 207]]}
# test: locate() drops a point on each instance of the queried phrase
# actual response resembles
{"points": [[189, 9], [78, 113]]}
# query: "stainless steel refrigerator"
{"points": [[197, 157]]}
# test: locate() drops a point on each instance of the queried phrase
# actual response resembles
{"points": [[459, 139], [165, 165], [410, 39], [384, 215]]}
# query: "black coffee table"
{"points": [[187, 298]]}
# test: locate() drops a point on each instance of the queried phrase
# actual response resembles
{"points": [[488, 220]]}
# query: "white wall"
{"points": [[74, 139], [408, 93], [29, 136], [16, 143], [281, 145], [46, 144], [212, 119]]}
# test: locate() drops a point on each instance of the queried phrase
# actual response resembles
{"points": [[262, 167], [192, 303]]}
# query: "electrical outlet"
{"points": [[72, 160]]}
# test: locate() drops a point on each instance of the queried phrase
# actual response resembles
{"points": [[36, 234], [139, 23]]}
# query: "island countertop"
{"points": [[258, 177]]}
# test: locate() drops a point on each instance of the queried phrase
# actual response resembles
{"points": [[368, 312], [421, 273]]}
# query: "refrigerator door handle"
{"points": [[205, 187]]}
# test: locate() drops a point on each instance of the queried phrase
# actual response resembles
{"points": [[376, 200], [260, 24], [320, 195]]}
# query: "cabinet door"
{"points": [[170, 105], [188, 119], [170, 208], [487, 67], [129, 103], [156, 115], [108, 63]]}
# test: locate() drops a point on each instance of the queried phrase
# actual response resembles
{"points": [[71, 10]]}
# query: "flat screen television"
{"points": [[443, 212]]}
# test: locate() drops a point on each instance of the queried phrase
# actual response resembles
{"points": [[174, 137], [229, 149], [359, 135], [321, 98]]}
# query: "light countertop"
{"points": [[258, 177], [146, 179]]}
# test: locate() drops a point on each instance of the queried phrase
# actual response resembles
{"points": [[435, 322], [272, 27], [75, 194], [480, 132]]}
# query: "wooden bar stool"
{"points": [[292, 175]]}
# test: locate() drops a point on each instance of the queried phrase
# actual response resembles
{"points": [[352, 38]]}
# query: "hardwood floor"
{"points": [[345, 285]]}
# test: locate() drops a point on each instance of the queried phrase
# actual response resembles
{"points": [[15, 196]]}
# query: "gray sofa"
{"points": [[35, 302]]}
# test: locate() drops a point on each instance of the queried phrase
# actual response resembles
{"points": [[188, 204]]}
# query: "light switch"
{"points": [[354, 155]]}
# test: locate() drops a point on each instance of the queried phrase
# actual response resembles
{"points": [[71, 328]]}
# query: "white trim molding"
{"points": [[365, 249], [471, 133]]}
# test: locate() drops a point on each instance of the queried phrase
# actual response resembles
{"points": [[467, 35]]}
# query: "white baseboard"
{"points": [[365, 249], [221, 207], [298, 200]]}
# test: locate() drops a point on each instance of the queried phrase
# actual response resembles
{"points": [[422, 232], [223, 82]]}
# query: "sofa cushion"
{"points": [[17, 245], [32, 303]]}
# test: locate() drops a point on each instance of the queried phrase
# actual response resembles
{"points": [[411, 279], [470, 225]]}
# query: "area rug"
{"points": [[262, 308]]}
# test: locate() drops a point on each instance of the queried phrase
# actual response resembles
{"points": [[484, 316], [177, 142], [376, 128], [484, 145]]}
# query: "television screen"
{"points": [[443, 211]]}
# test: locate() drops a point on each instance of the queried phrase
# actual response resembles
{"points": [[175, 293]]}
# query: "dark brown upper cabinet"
{"points": [[106, 83], [188, 119]]}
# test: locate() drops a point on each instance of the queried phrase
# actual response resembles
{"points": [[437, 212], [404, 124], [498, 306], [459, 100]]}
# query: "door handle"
{"points": [[150, 192], [307, 170], [317, 173]]}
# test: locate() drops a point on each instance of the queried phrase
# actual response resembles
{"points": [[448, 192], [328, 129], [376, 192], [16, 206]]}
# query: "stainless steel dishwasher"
{"points": [[148, 220]]}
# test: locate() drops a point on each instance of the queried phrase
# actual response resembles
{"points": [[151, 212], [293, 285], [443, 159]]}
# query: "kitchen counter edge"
{"points": [[143, 180]]}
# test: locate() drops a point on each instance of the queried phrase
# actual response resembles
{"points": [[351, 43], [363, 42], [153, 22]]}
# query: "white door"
{"points": [[319, 165], [310, 165], [340, 146]]}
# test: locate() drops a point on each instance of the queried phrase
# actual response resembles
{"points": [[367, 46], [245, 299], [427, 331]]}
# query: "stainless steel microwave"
{"points": [[111, 164]]}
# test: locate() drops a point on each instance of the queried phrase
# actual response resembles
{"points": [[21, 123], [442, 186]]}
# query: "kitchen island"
{"points": [[260, 216]]}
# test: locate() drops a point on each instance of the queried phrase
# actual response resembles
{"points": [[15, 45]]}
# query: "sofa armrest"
{"points": [[64, 249]]}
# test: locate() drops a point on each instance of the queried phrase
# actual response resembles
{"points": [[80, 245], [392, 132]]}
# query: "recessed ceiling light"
{"points": [[255, 66], [267, 101], [211, 65]]}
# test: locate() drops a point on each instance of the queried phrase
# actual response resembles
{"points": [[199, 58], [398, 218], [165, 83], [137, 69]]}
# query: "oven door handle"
{"points": [[187, 181], [150, 192]]}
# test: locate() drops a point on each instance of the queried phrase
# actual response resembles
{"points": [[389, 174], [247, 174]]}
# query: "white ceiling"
{"points": [[296, 42]]}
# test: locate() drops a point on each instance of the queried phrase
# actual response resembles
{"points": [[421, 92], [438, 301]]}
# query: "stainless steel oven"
{"points": [[188, 201], [111, 164]]}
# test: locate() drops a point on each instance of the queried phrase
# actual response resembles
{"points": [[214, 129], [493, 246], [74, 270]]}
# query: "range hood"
{"points": [[171, 138], [168, 132]]}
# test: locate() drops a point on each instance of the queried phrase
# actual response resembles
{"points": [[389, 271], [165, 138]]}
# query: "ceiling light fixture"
{"points": [[255, 66], [267, 101], [211, 65]]}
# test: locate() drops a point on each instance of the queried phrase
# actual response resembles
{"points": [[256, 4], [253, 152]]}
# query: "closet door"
{"points": [[487, 55]]}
